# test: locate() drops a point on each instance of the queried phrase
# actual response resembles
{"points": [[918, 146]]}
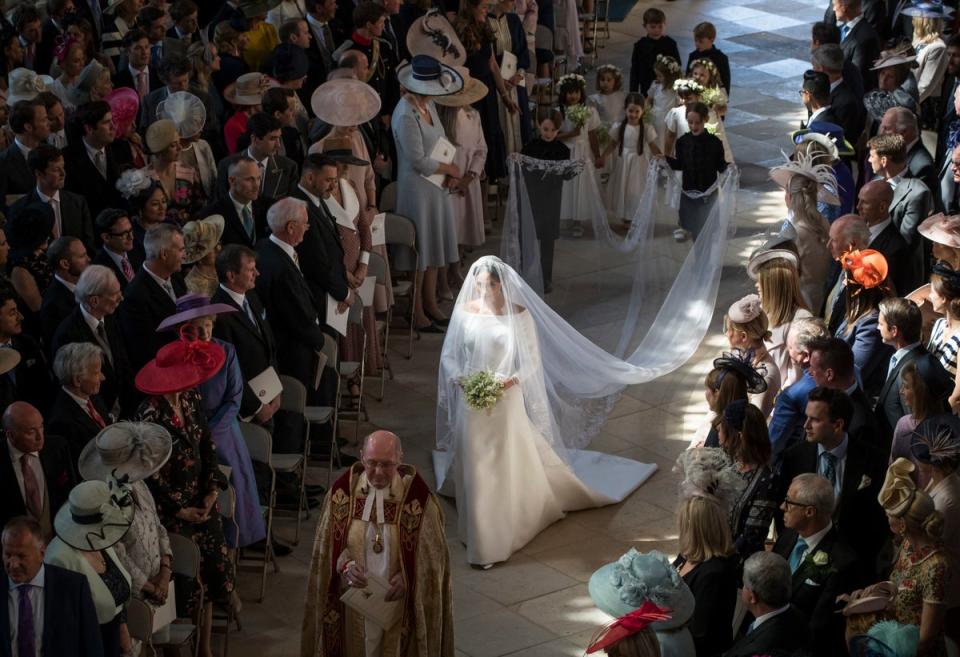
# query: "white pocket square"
{"points": [[865, 482], [810, 582]]}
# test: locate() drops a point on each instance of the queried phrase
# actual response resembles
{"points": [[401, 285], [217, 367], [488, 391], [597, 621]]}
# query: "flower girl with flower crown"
{"points": [[581, 195], [662, 98]]}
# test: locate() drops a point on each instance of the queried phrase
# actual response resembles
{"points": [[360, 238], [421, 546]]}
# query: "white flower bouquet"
{"points": [[579, 115], [482, 390]]}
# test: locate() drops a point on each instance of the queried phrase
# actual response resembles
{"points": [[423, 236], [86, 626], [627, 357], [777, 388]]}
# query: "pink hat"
{"points": [[124, 105]]}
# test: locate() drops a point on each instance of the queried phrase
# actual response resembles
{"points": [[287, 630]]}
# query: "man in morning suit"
{"points": [[116, 252], [823, 33], [242, 208], [152, 295], [137, 74], [247, 330], [278, 174], [832, 366], [912, 201], [69, 259], [77, 414], [854, 468], [847, 233], [822, 563], [777, 625], [321, 253], [51, 609], [858, 39], [93, 320], [31, 127], [903, 122], [42, 488], [815, 94], [845, 105], [94, 163], [873, 204]]}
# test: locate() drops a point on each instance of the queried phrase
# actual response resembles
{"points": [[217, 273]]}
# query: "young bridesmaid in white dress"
{"points": [[580, 196], [633, 141], [662, 97]]}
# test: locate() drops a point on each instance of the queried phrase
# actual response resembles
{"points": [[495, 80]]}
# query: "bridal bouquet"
{"points": [[482, 390], [578, 115]]}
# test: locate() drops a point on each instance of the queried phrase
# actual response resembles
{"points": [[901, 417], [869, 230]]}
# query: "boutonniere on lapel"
{"points": [[817, 567], [865, 482]]}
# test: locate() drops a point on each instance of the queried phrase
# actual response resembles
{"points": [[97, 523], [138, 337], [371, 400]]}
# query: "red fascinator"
{"points": [[866, 268], [181, 365], [124, 107], [626, 626]]}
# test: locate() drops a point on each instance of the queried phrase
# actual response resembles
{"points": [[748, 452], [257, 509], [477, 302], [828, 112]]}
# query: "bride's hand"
{"points": [[509, 383]]}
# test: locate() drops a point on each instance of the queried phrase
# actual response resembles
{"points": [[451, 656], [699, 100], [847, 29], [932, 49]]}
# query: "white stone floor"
{"points": [[536, 605]]}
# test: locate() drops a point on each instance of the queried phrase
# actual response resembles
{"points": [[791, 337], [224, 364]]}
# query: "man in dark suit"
{"points": [[853, 467], [30, 380], [321, 253], [71, 212], [903, 122], [278, 173], [859, 40], [873, 205], [778, 626], [137, 74], [31, 127], [243, 209], [319, 15], [816, 98], [184, 14], [948, 110], [27, 22], [93, 320], [43, 489], [151, 295], [78, 414], [248, 330], [68, 625], [94, 162], [847, 233], [844, 103], [873, 11], [68, 257], [823, 33], [832, 366], [117, 252], [822, 563]]}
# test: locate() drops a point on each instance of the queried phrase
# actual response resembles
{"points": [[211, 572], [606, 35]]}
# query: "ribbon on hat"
{"points": [[636, 621], [949, 276]]}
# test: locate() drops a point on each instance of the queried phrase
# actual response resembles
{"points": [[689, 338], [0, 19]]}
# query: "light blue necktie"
{"points": [[797, 554], [844, 31]]}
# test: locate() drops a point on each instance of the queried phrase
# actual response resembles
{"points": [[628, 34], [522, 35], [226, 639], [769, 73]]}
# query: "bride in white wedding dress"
{"points": [[516, 467]]}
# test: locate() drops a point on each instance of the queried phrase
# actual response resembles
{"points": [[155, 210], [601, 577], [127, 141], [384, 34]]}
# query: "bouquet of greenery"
{"points": [[579, 114], [713, 97], [481, 390]]}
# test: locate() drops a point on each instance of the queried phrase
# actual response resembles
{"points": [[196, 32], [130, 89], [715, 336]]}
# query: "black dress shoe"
{"points": [[431, 328]]}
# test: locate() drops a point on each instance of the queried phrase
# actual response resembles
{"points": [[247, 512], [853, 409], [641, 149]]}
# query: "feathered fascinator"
{"points": [[626, 626], [708, 472], [133, 182], [937, 440], [687, 86], [949, 276], [740, 362], [745, 310], [867, 267], [804, 164]]}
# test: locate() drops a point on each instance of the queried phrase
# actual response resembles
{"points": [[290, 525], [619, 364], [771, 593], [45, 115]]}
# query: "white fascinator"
{"points": [[708, 472], [132, 182]]}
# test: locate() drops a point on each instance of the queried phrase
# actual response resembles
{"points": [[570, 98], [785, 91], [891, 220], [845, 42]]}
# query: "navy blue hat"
{"points": [[939, 382], [734, 413], [290, 63], [831, 130]]}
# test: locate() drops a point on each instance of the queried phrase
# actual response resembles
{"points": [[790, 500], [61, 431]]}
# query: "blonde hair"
{"points": [[926, 30], [779, 291], [704, 529], [757, 328]]}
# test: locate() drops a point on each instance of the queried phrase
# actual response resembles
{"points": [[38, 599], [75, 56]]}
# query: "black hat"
{"points": [[290, 63], [936, 378], [740, 363]]}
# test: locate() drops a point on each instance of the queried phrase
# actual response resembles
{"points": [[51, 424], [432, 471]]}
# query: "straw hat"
{"points": [[94, 517], [433, 35], [805, 165], [191, 306], [875, 598], [247, 90], [186, 111], [124, 107], [201, 237], [160, 134], [25, 84], [339, 150], [820, 130], [125, 451], [345, 102], [180, 365], [473, 90], [9, 359], [942, 229], [426, 76]]}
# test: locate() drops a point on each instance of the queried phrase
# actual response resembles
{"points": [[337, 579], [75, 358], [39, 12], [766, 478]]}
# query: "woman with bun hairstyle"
{"points": [[747, 328]]}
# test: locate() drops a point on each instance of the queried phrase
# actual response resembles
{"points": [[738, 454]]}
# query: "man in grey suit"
{"points": [[278, 174], [912, 201]]}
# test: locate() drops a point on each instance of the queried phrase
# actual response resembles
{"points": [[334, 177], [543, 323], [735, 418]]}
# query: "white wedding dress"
{"points": [[510, 482]]}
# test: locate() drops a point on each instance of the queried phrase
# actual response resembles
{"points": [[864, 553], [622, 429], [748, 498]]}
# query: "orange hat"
{"points": [[866, 268]]}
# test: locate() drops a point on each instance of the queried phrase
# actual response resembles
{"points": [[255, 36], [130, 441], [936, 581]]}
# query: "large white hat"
{"points": [[96, 516], [125, 451], [427, 76], [186, 111], [433, 35], [345, 102], [25, 84]]}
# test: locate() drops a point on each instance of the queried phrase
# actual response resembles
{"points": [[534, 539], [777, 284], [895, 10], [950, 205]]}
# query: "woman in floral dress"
{"points": [[180, 183]]}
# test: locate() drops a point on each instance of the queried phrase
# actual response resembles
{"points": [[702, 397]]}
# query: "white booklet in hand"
{"points": [[266, 385], [336, 321], [508, 66], [370, 602], [378, 229], [365, 291], [443, 152]]}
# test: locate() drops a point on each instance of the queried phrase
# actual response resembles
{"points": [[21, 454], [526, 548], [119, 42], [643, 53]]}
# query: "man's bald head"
{"points": [[381, 453], [23, 425], [873, 202], [846, 233]]}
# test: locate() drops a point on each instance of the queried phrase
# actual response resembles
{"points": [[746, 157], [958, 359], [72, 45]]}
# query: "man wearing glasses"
{"points": [[381, 529], [117, 253], [822, 563]]}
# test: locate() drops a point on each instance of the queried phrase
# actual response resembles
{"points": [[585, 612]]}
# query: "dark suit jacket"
{"points": [[255, 345], [920, 166], [33, 382], [827, 115], [900, 259], [68, 420], [74, 215], [321, 256], [848, 109], [862, 47], [815, 592], [233, 232], [890, 407], [70, 627], [58, 302], [787, 632], [870, 354], [103, 258], [84, 179], [858, 517], [789, 414], [59, 473], [874, 12], [281, 176], [118, 374], [292, 311], [144, 306], [15, 176], [48, 41], [124, 78]]}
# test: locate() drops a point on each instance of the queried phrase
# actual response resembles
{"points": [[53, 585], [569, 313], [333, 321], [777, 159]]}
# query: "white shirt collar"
{"points": [[237, 297], [313, 199], [840, 451], [238, 205], [264, 162], [91, 321], [80, 400], [900, 353], [852, 23], [67, 284], [835, 83], [138, 71], [116, 257], [816, 113], [15, 453], [879, 228], [22, 147], [38, 581], [813, 540], [162, 282], [46, 199], [763, 618], [91, 151], [289, 250]]}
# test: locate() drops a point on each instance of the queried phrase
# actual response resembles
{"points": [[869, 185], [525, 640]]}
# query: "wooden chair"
{"points": [[260, 445], [400, 231]]}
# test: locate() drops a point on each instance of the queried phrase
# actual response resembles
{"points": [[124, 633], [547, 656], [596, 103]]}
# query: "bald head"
{"points": [[873, 202], [381, 454], [23, 426], [846, 233]]}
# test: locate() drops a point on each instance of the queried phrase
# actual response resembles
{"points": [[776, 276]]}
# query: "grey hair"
{"points": [[829, 56], [94, 281], [807, 329], [906, 121], [72, 359], [158, 238], [235, 165], [816, 491], [284, 211], [767, 574]]}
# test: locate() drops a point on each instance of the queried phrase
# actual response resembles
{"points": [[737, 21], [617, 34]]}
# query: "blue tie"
{"points": [[797, 554], [844, 31], [830, 467]]}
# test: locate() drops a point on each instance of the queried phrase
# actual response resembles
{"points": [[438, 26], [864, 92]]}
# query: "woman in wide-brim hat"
{"points": [[187, 486], [181, 183], [928, 18], [94, 519], [245, 95], [221, 397], [190, 116], [130, 453], [418, 129], [201, 239]]}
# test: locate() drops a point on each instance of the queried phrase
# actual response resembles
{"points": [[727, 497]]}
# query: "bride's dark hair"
{"points": [[491, 269]]}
